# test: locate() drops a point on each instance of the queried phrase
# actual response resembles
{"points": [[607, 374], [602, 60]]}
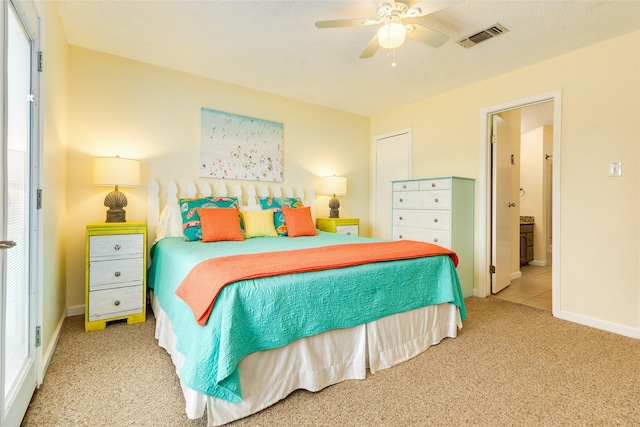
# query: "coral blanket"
{"points": [[205, 281]]}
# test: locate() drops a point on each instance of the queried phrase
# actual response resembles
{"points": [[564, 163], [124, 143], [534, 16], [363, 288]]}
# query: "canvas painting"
{"points": [[240, 147]]}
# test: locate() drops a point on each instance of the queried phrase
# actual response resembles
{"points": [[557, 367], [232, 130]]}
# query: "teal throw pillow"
{"points": [[191, 220], [276, 204]]}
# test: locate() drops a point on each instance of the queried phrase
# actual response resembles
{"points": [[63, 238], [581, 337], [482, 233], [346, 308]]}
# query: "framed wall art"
{"points": [[240, 147]]}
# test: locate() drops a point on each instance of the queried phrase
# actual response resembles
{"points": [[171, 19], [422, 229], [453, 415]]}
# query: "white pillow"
{"points": [[170, 224]]}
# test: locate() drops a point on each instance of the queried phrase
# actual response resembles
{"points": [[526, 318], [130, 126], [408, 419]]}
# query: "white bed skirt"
{"points": [[316, 362]]}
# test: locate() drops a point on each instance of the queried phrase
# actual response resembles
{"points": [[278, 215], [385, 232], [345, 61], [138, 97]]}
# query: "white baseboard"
{"points": [[616, 328], [538, 263], [76, 310], [47, 354], [515, 275]]}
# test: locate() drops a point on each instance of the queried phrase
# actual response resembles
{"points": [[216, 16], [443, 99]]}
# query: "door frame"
{"points": [[484, 191]]}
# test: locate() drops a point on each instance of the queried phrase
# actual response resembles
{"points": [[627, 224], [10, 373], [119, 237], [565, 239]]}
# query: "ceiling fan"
{"points": [[393, 31]]}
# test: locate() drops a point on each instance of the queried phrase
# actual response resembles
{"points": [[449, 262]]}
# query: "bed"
{"points": [[265, 337]]}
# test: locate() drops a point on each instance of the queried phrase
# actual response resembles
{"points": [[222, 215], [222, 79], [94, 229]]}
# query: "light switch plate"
{"points": [[615, 169]]}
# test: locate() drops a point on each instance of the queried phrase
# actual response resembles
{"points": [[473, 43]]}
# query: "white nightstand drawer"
{"points": [[429, 219], [115, 302], [437, 199], [351, 230], [116, 246], [115, 273], [438, 237]]}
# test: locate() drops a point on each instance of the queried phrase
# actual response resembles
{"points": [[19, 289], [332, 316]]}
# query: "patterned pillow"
{"points": [[276, 204], [191, 228]]}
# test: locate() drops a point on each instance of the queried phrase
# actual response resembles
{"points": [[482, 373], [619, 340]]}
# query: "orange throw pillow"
{"points": [[220, 224], [299, 222]]}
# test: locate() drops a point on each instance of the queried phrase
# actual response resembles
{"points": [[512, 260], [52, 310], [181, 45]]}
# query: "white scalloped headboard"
{"points": [[248, 196]]}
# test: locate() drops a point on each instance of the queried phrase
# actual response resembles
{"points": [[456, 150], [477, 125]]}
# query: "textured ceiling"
{"points": [[273, 46]]}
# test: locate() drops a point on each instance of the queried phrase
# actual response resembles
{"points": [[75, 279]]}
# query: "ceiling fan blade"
{"points": [[426, 35], [372, 47], [357, 22], [422, 8]]}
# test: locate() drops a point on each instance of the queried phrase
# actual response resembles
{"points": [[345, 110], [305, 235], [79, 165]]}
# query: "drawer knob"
{"points": [[400, 199], [400, 218], [116, 247], [404, 185], [348, 233], [436, 200], [116, 302], [435, 219], [435, 239], [117, 274], [400, 236], [433, 184]]}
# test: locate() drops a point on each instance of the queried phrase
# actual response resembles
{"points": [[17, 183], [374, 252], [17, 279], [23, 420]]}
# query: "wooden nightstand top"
{"points": [[341, 221], [116, 227], [339, 225]]}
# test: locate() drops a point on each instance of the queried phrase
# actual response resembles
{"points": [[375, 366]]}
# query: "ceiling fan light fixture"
{"points": [[391, 35]]}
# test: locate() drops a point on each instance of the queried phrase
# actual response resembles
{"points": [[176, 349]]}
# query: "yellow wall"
{"points": [[533, 180], [124, 107], [54, 213], [600, 244]]}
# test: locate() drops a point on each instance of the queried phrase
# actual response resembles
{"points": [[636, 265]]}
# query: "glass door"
{"points": [[17, 308]]}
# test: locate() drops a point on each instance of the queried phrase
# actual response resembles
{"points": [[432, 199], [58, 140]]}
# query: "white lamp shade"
{"points": [[392, 35], [116, 171], [334, 185]]}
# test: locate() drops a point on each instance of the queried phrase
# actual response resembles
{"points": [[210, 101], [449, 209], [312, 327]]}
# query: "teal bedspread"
{"points": [[261, 314]]}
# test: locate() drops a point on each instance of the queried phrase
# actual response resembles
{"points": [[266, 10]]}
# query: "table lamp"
{"points": [[116, 171], [334, 185]]}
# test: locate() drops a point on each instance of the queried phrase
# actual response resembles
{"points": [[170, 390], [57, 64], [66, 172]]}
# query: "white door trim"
{"points": [[483, 250]]}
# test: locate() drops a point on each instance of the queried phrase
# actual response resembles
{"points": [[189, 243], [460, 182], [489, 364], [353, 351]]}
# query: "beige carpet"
{"points": [[511, 365]]}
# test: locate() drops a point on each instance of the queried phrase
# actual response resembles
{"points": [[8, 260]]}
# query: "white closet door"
{"points": [[392, 162]]}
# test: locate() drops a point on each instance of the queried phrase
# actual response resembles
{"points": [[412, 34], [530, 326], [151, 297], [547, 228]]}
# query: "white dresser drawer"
{"points": [[406, 186], [435, 184], [351, 230], [428, 218], [116, 246], [115, 302], [438, 237], [115, 273], [437, 199]]}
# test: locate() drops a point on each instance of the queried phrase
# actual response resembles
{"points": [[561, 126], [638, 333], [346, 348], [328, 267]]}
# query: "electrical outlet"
{"points": [[615, 169]]}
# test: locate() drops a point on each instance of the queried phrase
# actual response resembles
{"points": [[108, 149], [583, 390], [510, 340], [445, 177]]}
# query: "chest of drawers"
{"points": [[439, 211], [115, 273]]}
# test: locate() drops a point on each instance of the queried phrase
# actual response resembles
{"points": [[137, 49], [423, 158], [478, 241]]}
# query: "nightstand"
{"points": [[115, 279], [339, 225]]}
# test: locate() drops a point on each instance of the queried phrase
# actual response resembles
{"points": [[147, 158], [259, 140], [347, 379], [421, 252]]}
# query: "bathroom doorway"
{"points": [[535, 119]]}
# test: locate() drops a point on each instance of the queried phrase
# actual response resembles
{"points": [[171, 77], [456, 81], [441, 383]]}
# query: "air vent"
{"points": [[486, 34]]}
